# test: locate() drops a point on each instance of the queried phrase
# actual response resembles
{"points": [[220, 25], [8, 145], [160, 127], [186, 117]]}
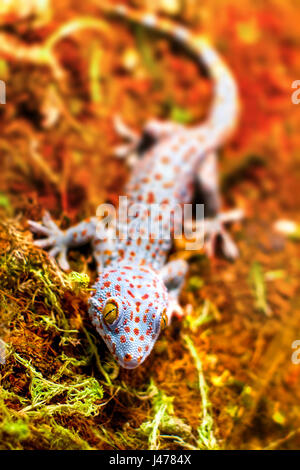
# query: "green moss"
{"points": [[58, 437], [81, 395], [206, 438], [207, 313], [259, 288], [195, 283], [163, 421], [78, 281], [15, 429]]}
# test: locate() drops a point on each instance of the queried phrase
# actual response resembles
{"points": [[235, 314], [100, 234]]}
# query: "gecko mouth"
{"points": [[129, 362], [132, 364]]}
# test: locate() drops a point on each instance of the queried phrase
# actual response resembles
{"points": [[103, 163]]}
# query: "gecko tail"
{"points": [[224, 113]]}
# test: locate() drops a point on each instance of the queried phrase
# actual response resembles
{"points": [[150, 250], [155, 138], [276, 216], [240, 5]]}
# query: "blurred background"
{"points": [[68, 69]]}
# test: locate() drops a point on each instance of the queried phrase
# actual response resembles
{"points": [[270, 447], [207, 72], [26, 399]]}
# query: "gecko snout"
{"points": [[128, 362]]}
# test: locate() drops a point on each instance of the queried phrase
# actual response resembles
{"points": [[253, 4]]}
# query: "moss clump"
{"points": [[57, 382], [42, 379], [164, 423]]}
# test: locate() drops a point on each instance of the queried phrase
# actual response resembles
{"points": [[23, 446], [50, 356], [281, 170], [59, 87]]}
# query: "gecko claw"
{"points": [[228, 247], [62, 259], [214, 230]]}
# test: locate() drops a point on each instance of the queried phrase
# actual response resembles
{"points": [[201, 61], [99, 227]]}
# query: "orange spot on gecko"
{"points": [[127, 357], [150, 198]]}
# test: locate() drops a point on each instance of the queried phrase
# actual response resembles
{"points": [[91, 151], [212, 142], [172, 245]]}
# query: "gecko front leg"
{"points": [[173, 274], [60, 241]]}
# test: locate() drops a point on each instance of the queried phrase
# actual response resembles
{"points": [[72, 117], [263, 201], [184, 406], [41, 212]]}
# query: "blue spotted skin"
{"points": [[133, 272]]}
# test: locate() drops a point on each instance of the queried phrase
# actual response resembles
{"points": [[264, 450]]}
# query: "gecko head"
{"points": [[128, 310]]}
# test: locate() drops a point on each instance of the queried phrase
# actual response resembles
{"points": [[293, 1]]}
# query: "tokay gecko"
{"points": [[137, 290]]}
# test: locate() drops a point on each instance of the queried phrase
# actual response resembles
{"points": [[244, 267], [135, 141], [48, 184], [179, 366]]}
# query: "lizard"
{"points": [[137, 290]]}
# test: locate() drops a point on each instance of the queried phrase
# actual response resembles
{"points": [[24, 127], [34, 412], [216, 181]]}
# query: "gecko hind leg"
{"points": [[173, 274], [209, 184]]}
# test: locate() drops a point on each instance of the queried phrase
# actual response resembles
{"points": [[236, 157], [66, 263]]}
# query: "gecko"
{"points": [[137, 290]]}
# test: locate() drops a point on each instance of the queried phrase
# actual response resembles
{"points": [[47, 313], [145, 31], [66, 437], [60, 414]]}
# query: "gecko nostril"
{"points": [[127, 357]]}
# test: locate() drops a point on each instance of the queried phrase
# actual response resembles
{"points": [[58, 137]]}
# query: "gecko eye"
{"points": [[164, 320], [110, 313]]}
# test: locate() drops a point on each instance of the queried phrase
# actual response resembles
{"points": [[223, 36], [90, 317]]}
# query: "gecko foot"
{"points": [[214, 231], [218, 233], [54, 239]]}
